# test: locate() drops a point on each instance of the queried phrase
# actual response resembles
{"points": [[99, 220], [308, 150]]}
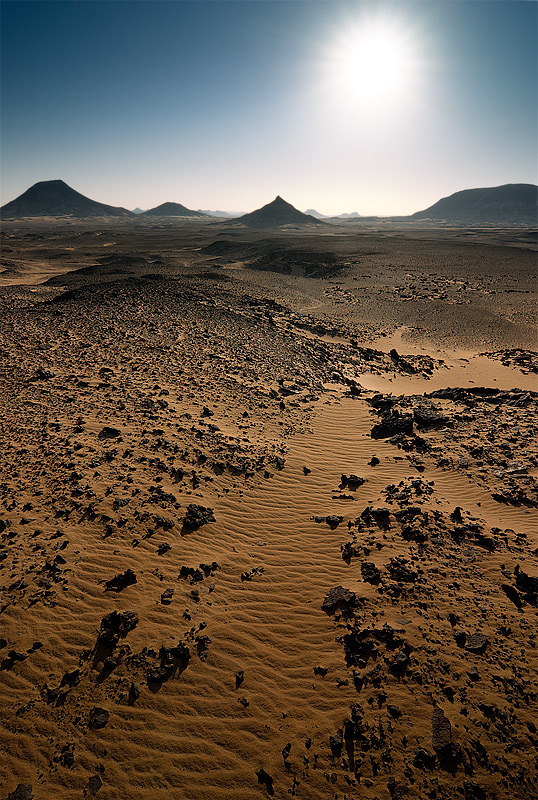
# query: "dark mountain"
{"points": [[57, 199], [277, 213], [172, 210], [514, 203]]}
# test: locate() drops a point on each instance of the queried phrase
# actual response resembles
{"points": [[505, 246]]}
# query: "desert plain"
{"points": [[268, 511]]}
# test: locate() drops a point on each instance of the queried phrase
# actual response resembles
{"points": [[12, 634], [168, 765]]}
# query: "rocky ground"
{"points": [[267, 514]]}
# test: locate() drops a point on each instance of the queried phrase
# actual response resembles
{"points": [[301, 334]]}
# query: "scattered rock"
{"points": [[476, 643], [341, 599], [441, 731], [393, 425], [119, 582], [266, 780], [98, 718], [370, 572], [197, 516], [109, 433], [94, 784]]}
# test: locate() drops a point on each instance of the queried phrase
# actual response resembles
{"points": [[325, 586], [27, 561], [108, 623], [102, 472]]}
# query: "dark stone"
{"points": [[163, 548], [94, 784], [527, 584], [98, 718], [476, 643], [239, 678], [370, 572], [339, 598], [134, 694], [460, 637], [429, 416], [320, 671], [166, 597], [374, 461], [351, 481], [441, 731], [121, 581], [399, 571], [23, 791], [266, 780], [424, 759], [393, 425], [333, 521], [197, 516], [336, 743], [473, 791], [109, 433], [119, 623], [202, 646], [512, 594]]}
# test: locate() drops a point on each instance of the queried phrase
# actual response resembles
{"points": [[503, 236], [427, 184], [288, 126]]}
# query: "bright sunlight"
{"points": [[374, 63]]}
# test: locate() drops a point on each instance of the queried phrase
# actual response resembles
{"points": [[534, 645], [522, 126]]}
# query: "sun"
{"points": [[373, 63]]}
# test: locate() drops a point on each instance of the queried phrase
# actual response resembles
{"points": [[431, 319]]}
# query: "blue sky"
{"points": [[376, 107]]}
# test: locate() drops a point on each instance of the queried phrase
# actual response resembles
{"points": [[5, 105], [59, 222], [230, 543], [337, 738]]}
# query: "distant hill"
{"points": [[172, 210], [313, 213], [222, 214], [57, 199], [513, 203], [277, 213], [138, 210]]}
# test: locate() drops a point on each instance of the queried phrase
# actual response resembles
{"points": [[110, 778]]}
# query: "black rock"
{"points": [[202, 646], [512, 594], [166, 597], [98, 718], [333, 521], [336, 743], [23, 791], [109, 433], [400, 571], [121, 581], [266, 780], [424, 759], [476, 642], [393, 425], [473, 791], [320, 671], [163, 548], [197, 516], [527, 584], [374, 461], [429, 416], [239, 678], [370, 572], [94, 784], [441, 731], [134, 693], [339, 598], [351, 481], [119, 623]]}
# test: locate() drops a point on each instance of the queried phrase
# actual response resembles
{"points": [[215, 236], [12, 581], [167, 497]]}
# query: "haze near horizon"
{"points": [[380, 108]]}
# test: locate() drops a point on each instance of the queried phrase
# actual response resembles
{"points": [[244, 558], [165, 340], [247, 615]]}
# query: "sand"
{"points": [[190, 422]]}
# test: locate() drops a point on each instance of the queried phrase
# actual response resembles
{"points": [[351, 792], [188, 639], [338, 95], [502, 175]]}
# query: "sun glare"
{"points": [[373, 63]]}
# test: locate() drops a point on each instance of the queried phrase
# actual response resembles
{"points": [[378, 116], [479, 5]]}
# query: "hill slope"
{"points": [[57, 199], [511, 203], [172, 210], [277, 213]]}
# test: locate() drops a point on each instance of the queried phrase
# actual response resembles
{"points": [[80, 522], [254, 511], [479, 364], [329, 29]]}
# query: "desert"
{"points": [[268, 509]]}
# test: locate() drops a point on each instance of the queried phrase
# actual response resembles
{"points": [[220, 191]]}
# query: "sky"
{"points": [[376, 107]]}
